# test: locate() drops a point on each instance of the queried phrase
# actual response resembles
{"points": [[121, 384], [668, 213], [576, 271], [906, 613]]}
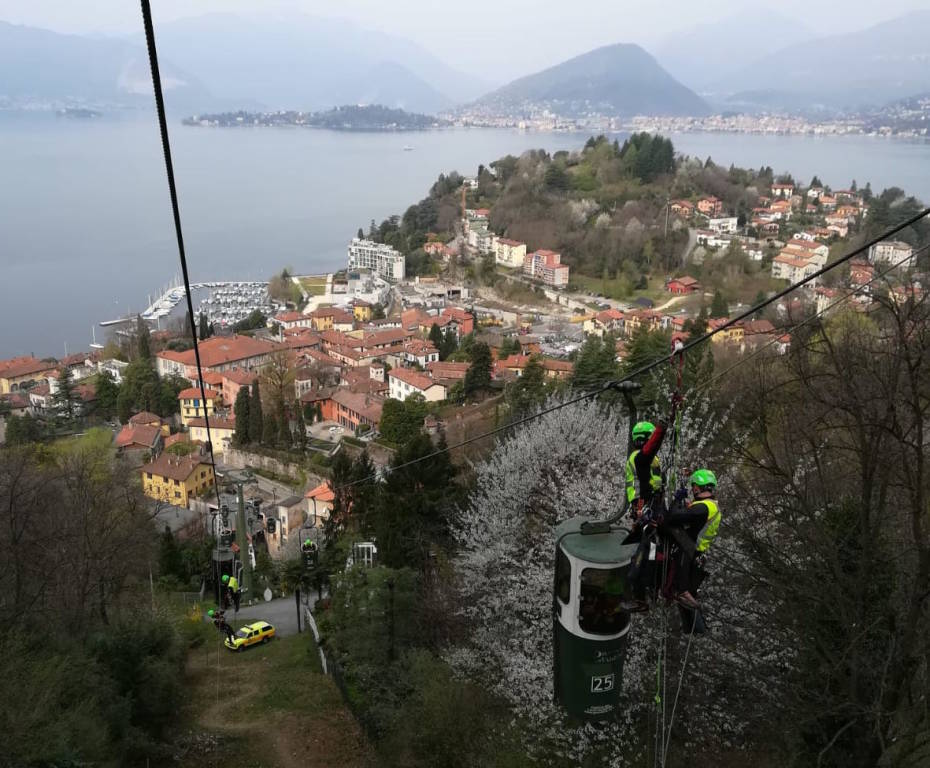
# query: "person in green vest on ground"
{"points": [[699, 521], [232, 589]]}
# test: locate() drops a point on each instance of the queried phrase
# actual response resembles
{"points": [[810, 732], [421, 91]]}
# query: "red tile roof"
{"points": [[222, 350], [145, 417], [411, 377], [215, 423], [137, 434], [192, 393], [24, 366], [447, 370], [240, 376], [322, 492]]}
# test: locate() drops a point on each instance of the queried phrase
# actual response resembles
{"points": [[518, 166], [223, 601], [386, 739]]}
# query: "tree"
{"points": [[510, 345], [360, 234], [377, 312], [301, 431], [168, 391], [414, 509], [143, 339], [22, 430], [596, 363], [124, 405], [256, 420], [719, 306], [450, 342], [478, 375], [529, 390], [555, 178], [816, 182], [285, 438], [436, 336], [205, 330], [107, 394], [242, 435], [269, 431], [402, 420], [65, 397]]}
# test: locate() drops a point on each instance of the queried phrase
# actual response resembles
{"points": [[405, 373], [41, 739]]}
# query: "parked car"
{"points": [[251, 634]]}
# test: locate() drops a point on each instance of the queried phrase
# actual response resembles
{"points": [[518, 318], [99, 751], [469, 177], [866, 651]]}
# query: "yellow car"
{"points": [[250, 634]]}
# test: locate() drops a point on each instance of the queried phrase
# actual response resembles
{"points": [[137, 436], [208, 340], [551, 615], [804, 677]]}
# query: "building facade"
{"points": [[175, 479], [381, 259], [547, 267]]}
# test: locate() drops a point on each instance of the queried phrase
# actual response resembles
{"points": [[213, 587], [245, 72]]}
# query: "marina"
{"points": [[227, 303]]}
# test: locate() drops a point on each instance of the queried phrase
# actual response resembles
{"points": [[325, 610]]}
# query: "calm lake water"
{"points": [[85, 222]]}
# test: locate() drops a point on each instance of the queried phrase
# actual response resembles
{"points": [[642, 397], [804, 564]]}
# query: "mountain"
{"points": [[36, 64], [619, 79], [705, 54], [884, 62], [295, 61]]}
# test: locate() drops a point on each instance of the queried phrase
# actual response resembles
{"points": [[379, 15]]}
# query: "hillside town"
{"points": [[338, 357]]}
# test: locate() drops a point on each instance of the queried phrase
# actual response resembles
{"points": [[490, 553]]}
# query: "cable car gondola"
{"points": [[590, 625]]}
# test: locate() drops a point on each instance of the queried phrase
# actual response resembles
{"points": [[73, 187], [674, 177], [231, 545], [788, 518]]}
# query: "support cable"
{"points": [[175, 209]]}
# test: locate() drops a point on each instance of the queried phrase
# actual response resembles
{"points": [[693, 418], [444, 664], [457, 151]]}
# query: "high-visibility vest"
{"points": [[234, 583], [709, 532], [655, 476]]}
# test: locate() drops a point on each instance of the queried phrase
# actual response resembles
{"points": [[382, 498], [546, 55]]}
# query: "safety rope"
{"points": [[681, 677]]}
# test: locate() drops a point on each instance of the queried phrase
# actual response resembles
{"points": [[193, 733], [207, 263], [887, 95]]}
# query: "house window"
{"points": [[177, 494]]}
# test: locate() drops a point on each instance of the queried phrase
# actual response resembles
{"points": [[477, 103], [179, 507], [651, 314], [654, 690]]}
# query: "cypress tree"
{"points": [[242, 435], [256, 421]]}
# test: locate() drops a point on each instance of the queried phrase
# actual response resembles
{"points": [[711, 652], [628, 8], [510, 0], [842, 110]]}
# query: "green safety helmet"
{"points": [[308, 542], [704, 478], [642, 429], [226, 578], [210, 613]]}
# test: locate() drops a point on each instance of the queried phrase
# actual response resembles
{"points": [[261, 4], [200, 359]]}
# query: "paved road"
{"points": [[281, 613]]}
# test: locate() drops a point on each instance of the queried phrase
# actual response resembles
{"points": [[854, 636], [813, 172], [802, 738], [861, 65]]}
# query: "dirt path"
{"points": [[272, 709]]}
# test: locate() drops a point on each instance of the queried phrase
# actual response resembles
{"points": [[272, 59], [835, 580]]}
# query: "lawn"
{"points": [[269, 706], [314, 285]]}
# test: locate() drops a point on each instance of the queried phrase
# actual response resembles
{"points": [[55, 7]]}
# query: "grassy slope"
{"points": [[267, 707]]}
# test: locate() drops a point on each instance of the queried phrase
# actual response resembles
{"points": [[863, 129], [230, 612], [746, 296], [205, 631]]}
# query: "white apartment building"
{"points": [[893, 252], [725, 225], [381, 259]]}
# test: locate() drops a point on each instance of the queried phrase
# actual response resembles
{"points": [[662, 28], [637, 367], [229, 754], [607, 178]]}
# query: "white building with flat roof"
{"points": [[381, 259], [893, 252]]}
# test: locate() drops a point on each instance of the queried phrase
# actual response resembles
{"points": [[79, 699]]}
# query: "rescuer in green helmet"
{"points": [[699, 521], [219, 621], [644, 477], [233, 593]]}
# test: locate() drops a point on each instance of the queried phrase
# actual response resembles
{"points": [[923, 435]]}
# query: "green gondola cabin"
{"points": [[590, 627]]}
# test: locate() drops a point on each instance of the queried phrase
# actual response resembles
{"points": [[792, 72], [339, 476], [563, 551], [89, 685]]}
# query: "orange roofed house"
{"points": [[22, 373], [218, 353], [319, 503], [175, 479]]}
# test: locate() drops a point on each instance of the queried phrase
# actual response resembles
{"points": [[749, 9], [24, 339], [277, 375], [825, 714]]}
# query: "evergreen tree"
{"points": [[450, 343], [596, 363], [478, 375], [170, 561], [205, 330], [360, 234], [646, 347], [143, 339], [256, 420], [107, 394], [269, 431], [415, 505], [301, 430], [64, 399], [436, 337], [123, 405], [285, 438], [22, 430], [528, 391], [719, 306], [242, 436]]}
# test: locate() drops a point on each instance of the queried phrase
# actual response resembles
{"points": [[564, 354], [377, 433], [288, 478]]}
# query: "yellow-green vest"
{"points": [[655, 478], [709, 532]]}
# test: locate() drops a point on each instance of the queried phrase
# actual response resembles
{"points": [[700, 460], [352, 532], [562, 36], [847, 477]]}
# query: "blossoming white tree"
{"points": [[570, 462]]}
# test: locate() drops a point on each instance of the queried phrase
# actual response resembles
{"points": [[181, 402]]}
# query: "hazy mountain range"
{"points": [[223, 62]]}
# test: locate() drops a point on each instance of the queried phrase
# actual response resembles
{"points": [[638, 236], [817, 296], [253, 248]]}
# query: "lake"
{"points": [[85, 221]]}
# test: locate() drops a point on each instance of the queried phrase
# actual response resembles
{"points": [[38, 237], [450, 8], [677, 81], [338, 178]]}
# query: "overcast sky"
{"points": [[495, 39]]}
